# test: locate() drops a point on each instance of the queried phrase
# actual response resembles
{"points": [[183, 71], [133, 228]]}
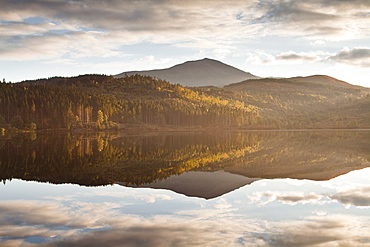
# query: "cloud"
{"points": [[216, 25], [133, 16], [78, 223], [293, 198], [101, 224], [316, 19], [25, 29], [318, 42], [10, 213], [52, 46], [101, 28], [346, 5], [293, 11], [359, 56], [293, 56], [222, 204], [331, 230], [359, 197]]}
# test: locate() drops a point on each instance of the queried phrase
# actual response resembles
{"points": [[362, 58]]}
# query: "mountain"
{"points": [[205, 185], [205, 72]]}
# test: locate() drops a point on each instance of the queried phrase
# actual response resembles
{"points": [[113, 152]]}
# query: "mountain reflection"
{"points": [[148, 160]]}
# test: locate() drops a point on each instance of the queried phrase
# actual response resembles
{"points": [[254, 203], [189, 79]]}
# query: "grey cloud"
{"points": [[100, 225], [356, 57], [182, 23], [294, 57], [203, 16], [316, 18], [293, 11], [292, 198], [123, 15], [121, 22], [359, 197], [137, 236], [32, 213], [359, 57], [324, 30], [345, 4], [297, 56], [333, 230], [296, 199]]}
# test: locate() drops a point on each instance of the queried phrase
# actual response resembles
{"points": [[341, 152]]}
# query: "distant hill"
{"points": [[205, 72], [321, 79], [315, 101], [294, 83]]}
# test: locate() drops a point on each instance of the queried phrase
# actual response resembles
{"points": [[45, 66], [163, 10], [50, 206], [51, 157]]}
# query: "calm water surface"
{"points": [[284, 188]]}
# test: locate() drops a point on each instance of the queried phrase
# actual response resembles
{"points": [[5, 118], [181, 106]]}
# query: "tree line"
{"points": [[99, 101]]}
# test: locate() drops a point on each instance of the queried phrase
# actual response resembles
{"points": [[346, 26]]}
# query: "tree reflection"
{"points": [[106, 158]]}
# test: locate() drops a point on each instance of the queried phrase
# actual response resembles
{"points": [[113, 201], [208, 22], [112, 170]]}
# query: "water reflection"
{"points": [[274, 209], [205, 165], [281, 212]]}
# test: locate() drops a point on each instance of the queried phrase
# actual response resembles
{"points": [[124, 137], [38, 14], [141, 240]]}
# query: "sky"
{"points": [[277, 38]]}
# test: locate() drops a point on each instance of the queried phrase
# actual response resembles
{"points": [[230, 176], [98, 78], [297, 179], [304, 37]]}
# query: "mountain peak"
{"points": [[203, 72]]}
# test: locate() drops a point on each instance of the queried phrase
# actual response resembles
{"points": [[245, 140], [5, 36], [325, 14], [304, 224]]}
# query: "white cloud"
{"points": [[318, 42], [223, 204]]}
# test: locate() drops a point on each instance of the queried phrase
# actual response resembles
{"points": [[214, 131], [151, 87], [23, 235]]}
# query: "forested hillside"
{"points": [[306, 102], [104, 102], [98, 101], [106, 158]]}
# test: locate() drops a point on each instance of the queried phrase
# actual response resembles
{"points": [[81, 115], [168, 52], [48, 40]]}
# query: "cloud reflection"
{"points": [[359, 197], [96, 218], [101, 224], [332, 230], [291, 198]]}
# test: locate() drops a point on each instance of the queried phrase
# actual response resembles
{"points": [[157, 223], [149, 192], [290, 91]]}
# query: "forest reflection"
{"points": [[105, 158]]}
